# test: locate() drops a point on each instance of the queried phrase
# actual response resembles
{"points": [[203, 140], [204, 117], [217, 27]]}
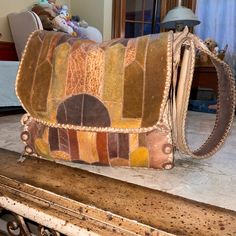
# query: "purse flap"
{"points": [[78, 84]]}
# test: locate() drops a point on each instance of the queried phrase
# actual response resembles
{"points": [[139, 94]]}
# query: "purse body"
{"points": [[105, 104]]}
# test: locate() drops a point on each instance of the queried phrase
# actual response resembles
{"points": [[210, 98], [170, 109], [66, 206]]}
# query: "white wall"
{"points": [[97, 13], [9, 6]]}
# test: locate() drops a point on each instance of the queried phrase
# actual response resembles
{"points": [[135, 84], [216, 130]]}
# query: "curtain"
{"points": [[218, 21]]}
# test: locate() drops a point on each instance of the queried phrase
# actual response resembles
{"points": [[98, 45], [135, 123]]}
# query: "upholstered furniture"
{"points": [[24, 23], [8, 71]]}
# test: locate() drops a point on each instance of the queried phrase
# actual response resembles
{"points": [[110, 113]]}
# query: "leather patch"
{"points": [[155, 78], [102, 148], [142, 50], [123, 151], [73, 144], [53, 139], [95, 113], [95, 71], [139, 157], [70, 111], [63, 140], [114, 74], [88, 147], [83, 109], [113, 145], [133, 91], [76, 72], [58, 83], [155, 144], [39, 96], [27, 73]]}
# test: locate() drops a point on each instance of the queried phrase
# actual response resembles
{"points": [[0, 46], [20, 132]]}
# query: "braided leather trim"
{"points": [[224, 113]]}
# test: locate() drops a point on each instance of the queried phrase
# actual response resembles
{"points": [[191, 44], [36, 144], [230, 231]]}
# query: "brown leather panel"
{"points": [[95, 62], [133, 91], [88, 153], [70, 111], [63, 140], [73, 144], [63, 38], [142, 140], [114, 73], [155, 79], [156, 143], [224, 113], [53, 139], [141, 50], [113, 145], [58, 83], [102, 148], [123, 151], [95, 113], [27, 73], [49, 42], [42, 79], [76, 72]]}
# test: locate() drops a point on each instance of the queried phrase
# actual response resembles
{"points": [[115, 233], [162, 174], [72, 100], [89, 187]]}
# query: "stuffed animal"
{"points": [[39, 10], [46, 22], [54, 6], [77, 22], [45, 17], [64, 12], [61, 25], [211, 44]]}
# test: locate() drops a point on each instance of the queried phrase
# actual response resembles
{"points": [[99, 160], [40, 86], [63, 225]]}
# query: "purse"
{"points": [[119, 103]]}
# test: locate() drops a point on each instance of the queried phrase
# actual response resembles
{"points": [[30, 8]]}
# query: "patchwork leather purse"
{"points": [[118, 103]]}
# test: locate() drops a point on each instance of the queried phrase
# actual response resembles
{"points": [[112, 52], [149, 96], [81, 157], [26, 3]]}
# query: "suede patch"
{"points": [[139, 157], [156, 142], [58, 83], [73, 144], [27, 72], [70, 111], [142, 50], [42, 147], [114, 73], [113, 145], [39, 96], [123, 151], [89, 155], [102, 148], [76, 110], [155, 79], [63, 140], [53, 139], [133, 142], [133, 91], [95, 114]]}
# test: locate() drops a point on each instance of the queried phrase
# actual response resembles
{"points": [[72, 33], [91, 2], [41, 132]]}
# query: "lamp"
{"points": [[179, 17]]}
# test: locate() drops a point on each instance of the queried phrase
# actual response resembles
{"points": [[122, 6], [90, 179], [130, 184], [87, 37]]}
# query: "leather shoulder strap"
{"points": [[225, 101]]}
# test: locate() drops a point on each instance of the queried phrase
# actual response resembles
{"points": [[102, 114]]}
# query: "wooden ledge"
{"points": [[83, 200]]}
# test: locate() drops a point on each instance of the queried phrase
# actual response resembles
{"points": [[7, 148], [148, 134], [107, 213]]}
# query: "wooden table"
{"points": [[75, 202]]}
